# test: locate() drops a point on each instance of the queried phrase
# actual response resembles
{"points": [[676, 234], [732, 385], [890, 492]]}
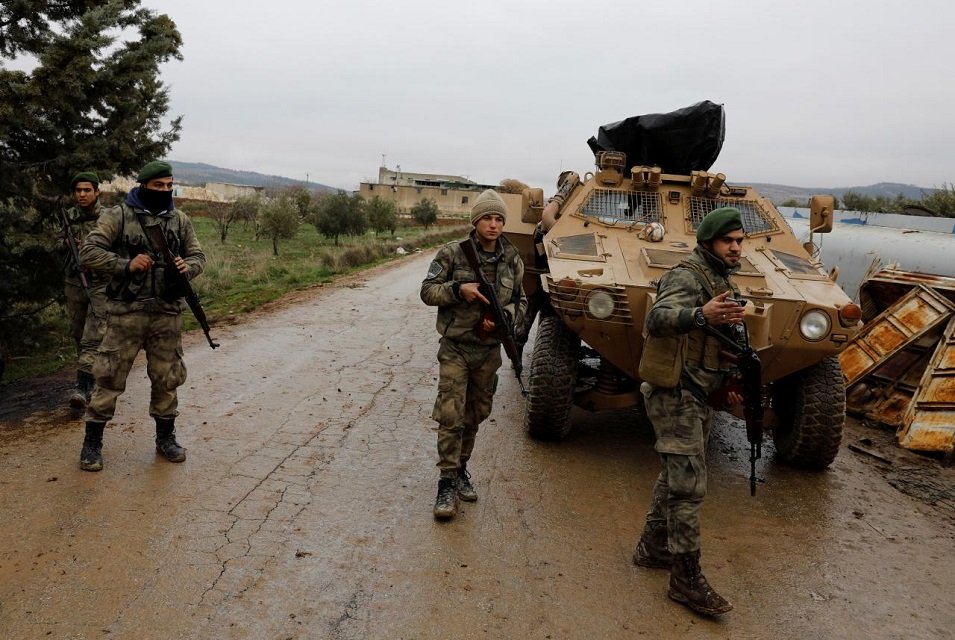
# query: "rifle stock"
{"points": [[157, 238], [505, 330]]}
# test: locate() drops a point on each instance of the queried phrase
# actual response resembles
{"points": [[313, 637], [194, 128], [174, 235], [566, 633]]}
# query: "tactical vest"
{"points": [[664, 357]]}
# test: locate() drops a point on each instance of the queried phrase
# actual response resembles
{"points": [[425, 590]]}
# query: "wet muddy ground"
{"points": [[304, 508]]}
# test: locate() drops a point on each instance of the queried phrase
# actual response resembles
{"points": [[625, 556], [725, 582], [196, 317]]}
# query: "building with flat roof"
{"points": [[454, 195]]}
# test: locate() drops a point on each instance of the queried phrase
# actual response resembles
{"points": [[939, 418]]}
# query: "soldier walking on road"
{"points": [[469, 353], [694, 294], [145, 309], [85, 307]]}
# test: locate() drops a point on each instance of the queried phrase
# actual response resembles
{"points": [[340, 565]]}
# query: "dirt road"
{"points": [[304, 508]]}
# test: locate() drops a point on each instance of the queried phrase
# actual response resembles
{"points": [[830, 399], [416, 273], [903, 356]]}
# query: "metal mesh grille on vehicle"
{"points": [[571, 299], [623, 207], [755, 219]]}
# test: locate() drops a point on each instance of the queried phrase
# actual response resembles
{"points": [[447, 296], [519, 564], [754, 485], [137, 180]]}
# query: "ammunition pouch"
{"points": [[173, 288], [662, 359], [126, 288]]}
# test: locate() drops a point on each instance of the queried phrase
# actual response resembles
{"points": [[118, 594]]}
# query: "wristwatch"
{"points": [[698, 317]]}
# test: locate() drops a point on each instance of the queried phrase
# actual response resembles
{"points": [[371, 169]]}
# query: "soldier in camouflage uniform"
{"points": [[86, 312], [469, 354], [696, 293], [145, 310]]}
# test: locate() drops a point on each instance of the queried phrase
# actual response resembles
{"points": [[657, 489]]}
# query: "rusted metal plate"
{"points": [[933, 431], [891, 410], [855, 361], [948, 360], [902, 324], [929, 421], [884, 287], [939, 390]]}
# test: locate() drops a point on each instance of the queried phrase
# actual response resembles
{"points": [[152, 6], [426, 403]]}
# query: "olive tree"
{"points": [[425, 212], [279, 220], [382, 215], [340, 214]]}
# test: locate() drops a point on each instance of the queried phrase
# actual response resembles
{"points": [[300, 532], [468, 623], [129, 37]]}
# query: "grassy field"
{"points": [[243, 274]]}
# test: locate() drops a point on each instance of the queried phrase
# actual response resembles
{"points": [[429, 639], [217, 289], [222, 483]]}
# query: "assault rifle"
{"points": [[751, 384], [70, 241], [505, 330], [157, 238]]}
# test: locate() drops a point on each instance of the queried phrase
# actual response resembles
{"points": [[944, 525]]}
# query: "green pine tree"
{"points": [[79, 90]]}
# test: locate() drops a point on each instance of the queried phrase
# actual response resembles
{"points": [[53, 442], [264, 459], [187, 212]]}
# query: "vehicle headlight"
{"points": [[814, 325], [600, 304]]}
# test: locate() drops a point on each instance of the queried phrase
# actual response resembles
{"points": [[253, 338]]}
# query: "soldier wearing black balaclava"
{"points": [[145, 309]]}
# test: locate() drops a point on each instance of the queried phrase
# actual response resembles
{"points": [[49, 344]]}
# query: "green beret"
{"points": [[153, 170], [85, 176], [719, 222]]}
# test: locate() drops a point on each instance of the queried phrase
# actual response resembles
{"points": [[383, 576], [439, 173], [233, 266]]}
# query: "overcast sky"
{"points": [[817, 93]]}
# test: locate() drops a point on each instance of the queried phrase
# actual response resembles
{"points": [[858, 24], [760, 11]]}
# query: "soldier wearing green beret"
{"points": [[696, 293], [144, 307], [85, 308]]}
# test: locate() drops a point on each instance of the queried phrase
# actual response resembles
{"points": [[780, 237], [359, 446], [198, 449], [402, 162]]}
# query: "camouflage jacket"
{"points": [[679, 293], [119, 237], [457, 319], [82, 222]]}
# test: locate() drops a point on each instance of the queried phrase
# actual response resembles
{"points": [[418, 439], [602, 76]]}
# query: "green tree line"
{"points": [[940, 202]]}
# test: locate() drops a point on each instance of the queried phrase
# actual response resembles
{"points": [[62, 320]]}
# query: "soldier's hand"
{"points": [[487, 325], [142, 262], [182, 266], [719, 310], [471, 291]]}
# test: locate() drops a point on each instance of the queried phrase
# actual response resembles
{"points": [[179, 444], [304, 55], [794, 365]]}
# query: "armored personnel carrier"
{"points": [[595, 253]]}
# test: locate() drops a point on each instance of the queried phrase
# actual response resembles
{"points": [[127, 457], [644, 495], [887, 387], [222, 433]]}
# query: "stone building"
{"points": [[454, 195]]}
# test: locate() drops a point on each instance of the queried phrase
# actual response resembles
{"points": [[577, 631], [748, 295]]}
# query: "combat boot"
{"points": [[166, 443], [463, 485], [446, 504], [652, 551], [91, 457], [78, 396], [688, 586]]}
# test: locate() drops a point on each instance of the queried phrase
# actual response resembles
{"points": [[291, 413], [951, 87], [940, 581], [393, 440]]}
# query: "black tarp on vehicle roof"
{"points": [[681, 141]]}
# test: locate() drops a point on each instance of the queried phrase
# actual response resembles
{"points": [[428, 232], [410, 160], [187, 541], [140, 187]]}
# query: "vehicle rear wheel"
{"points": [[553, 375], [810, 408]]}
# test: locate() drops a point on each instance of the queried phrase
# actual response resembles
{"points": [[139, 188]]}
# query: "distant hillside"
{"points": [[199, 173], [779, 193]]}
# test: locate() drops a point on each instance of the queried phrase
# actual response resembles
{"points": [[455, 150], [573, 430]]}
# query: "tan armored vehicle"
{"points": [[593, 262]]}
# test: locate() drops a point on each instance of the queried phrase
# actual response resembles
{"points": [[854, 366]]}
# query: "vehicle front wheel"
{"points": [[810, 407], [552, 378]]}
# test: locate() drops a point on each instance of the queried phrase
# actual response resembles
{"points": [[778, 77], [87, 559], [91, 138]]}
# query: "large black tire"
{"points": [[810, 408], [552, 379]]}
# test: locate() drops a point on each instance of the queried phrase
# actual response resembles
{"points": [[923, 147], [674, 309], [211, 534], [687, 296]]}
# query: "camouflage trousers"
{"points": [[466, 384], [682, 427], [160, 335], [87, 321]]}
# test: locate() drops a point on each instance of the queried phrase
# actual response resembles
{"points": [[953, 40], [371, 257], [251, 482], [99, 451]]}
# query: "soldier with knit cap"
{"points": [[695, 294], [144, 307], [86, 309], [469, 352]]}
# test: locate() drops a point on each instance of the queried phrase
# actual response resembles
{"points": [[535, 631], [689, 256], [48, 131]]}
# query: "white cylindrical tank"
{"points": [[855, 248]]}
